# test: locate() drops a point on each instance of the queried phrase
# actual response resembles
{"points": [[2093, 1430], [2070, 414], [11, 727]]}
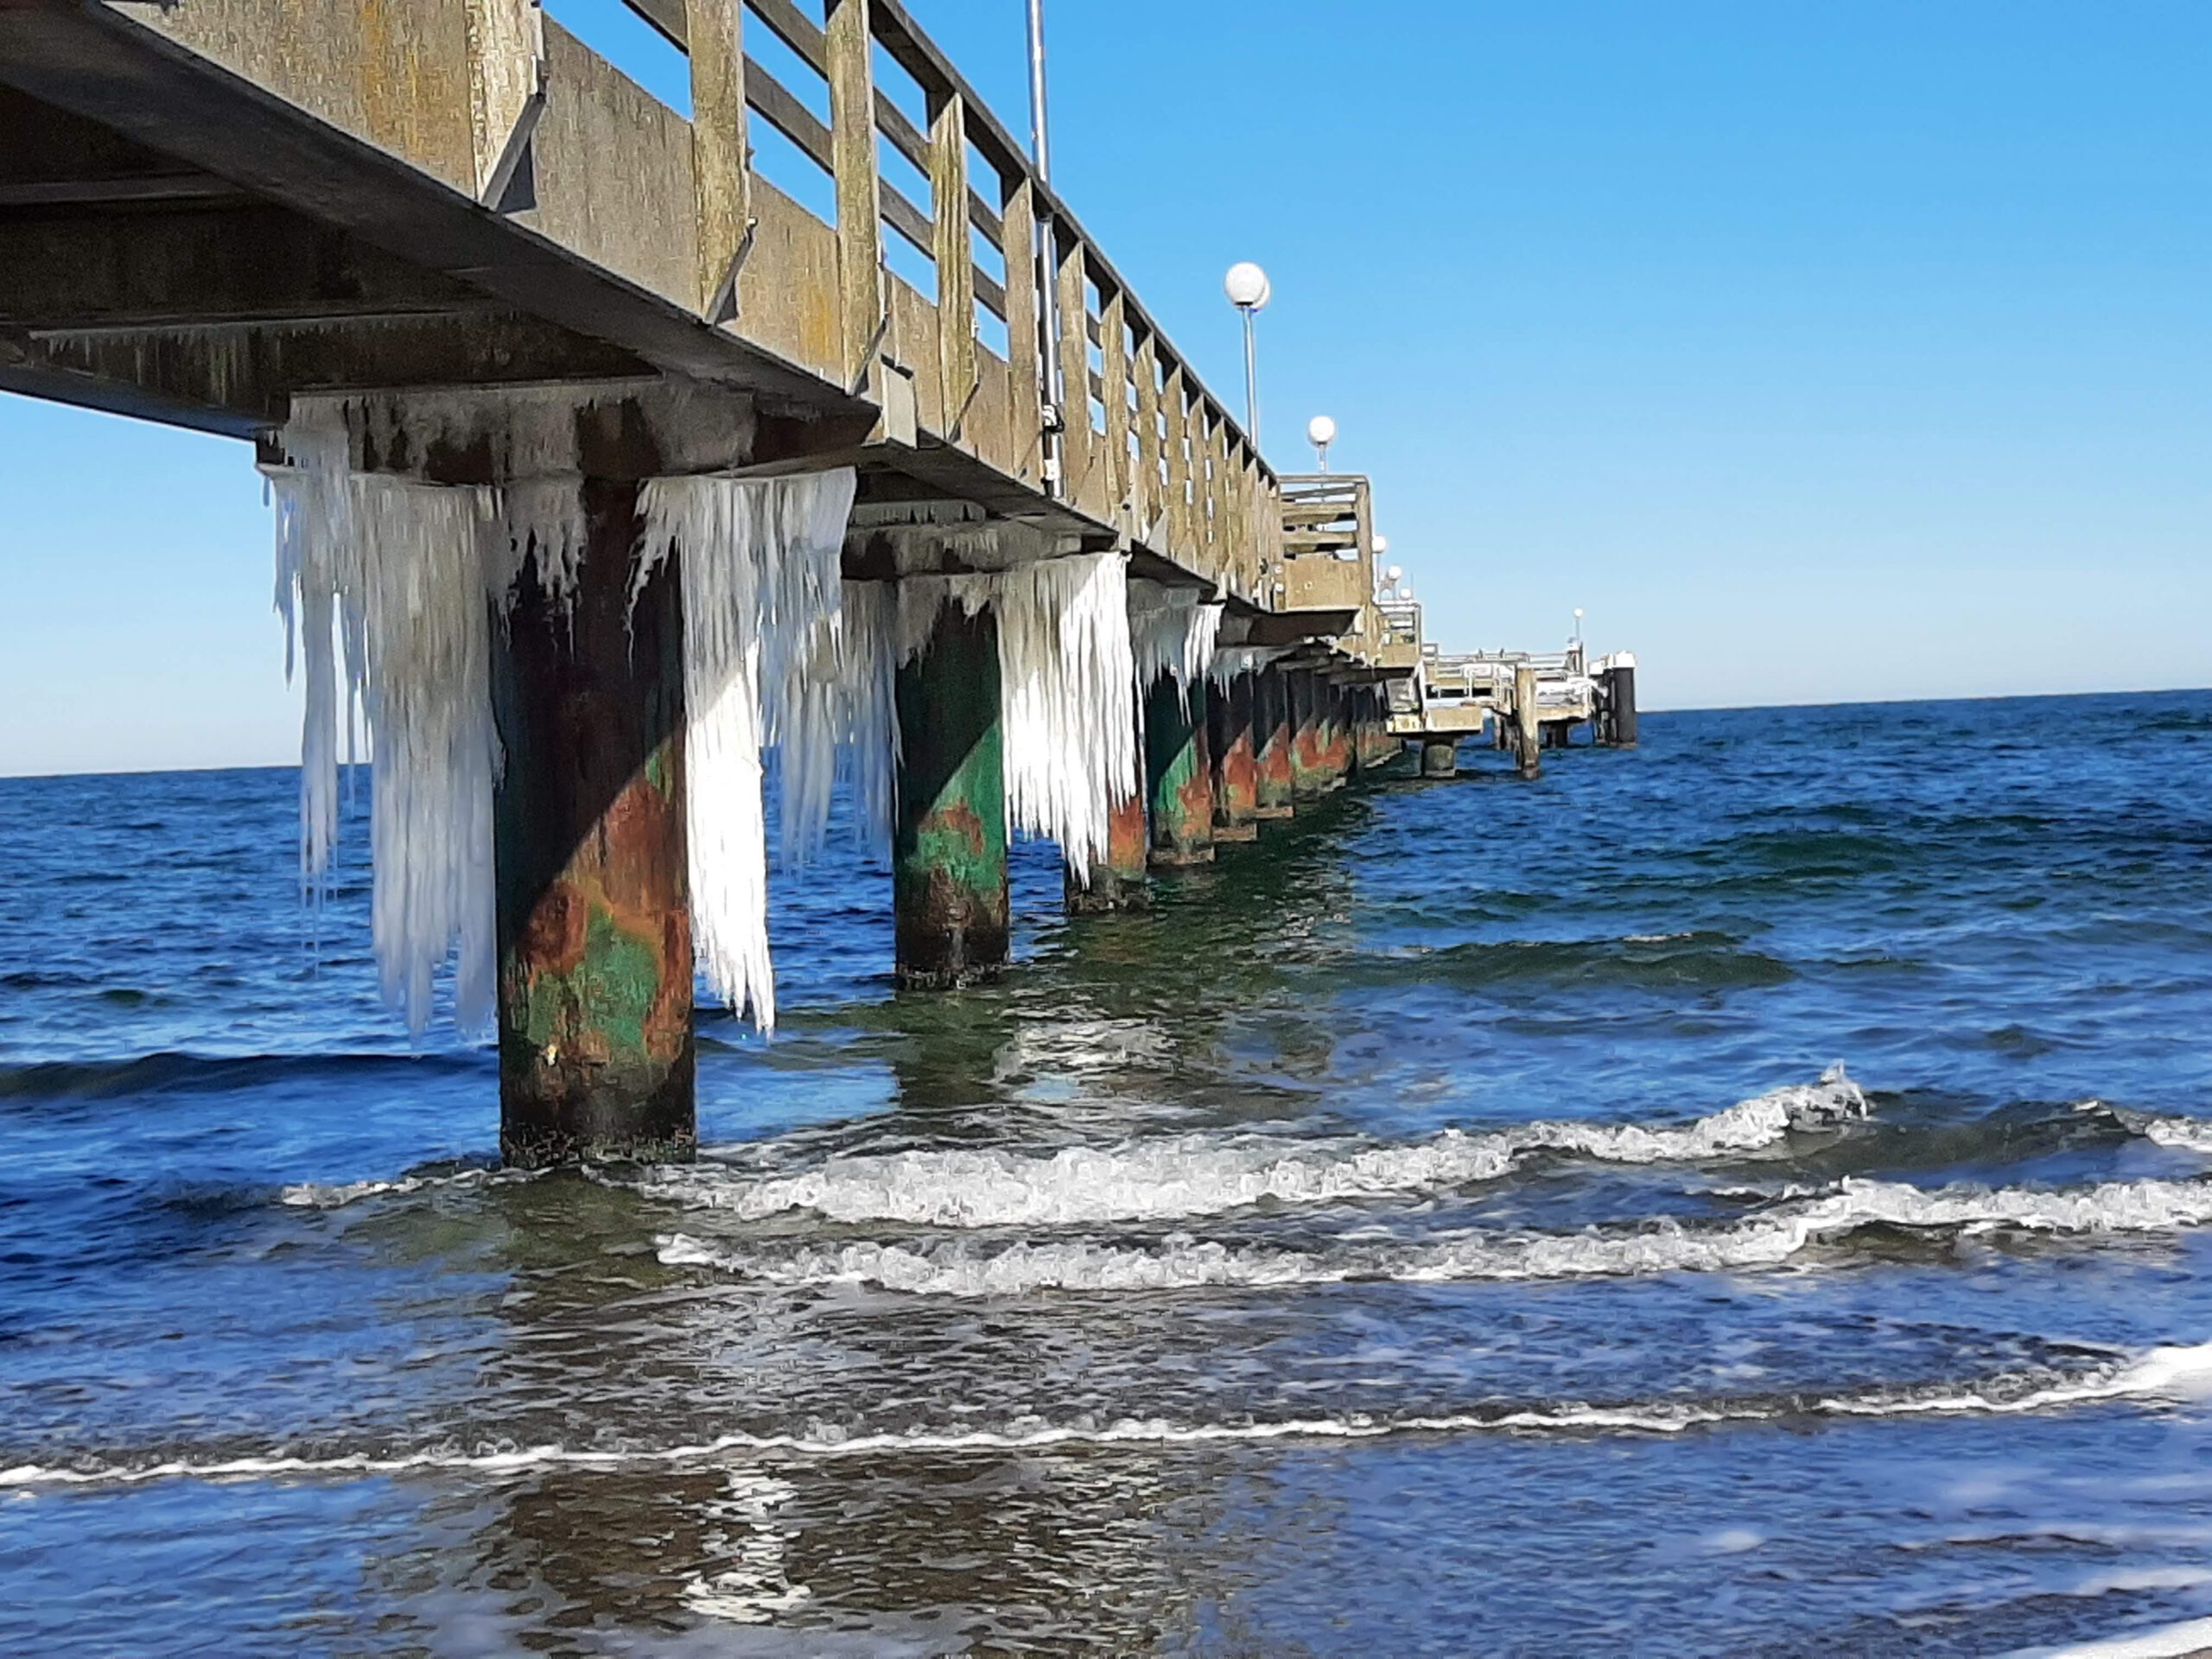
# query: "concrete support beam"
{"points": [[949, 874], [1120, 883], [1439, 758], [1178, 777], [1272, 731], [592, 863], [1236, 763]]}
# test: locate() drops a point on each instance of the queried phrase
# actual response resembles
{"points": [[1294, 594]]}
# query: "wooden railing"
{"points": [[1146, 448]]}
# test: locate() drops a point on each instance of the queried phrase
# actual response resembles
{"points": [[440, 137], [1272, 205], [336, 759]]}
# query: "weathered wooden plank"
{"points": [[780, 110], [609, 157], [1026, 391], [253, 261], [1180, 536], [956, 261], [1145, 498], [860, 202], [506, 67], [1076, 447], [722, 171], [1114, 377]]}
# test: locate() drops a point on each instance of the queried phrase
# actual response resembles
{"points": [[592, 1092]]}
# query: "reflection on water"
{"points": [[1363, 1252]]}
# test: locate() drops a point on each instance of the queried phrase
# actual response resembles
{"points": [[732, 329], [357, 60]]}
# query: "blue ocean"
{"points": [[1751, 1194]]}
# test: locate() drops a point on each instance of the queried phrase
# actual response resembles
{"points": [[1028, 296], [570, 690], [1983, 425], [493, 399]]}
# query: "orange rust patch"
{"points": [[554, 936]]}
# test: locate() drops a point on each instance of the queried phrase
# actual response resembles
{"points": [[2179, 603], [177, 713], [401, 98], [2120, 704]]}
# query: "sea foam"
{"points": [[1167, 1178], [960, 1268], [2150, 1374]]}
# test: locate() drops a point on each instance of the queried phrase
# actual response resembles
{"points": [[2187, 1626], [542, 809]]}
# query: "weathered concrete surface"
{"points": [[1271, 720], [1237, 764], [1120, 883], [1308, 772], [1439, 758], [949, 874], [1178, 777], [595, 920]]}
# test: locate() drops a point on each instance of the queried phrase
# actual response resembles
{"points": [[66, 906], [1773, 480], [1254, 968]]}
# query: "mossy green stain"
{"points": [[611, 992]]}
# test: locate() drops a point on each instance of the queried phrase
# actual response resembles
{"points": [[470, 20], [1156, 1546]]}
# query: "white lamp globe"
{"points": [[1381, 543], [1405, 592], [1392, 572], [1246, 286], [1320, 431]]}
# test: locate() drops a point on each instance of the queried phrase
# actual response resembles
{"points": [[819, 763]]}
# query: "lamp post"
{"points": [[1320, 431], [1248, 290]]}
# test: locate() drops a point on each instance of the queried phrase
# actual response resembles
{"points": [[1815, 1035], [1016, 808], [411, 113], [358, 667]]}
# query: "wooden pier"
{"points": [[212, 211], [1526, 703]]}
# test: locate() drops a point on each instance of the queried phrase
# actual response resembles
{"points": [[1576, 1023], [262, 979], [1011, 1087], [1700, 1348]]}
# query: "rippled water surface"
{"points": [[1436, 1230]]}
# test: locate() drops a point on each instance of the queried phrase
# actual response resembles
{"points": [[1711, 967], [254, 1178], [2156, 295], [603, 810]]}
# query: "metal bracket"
{"points": [[512, 188], [722, 308]]}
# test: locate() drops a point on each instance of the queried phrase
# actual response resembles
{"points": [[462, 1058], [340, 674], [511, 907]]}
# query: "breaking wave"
{"points": [[1181, 1262], [2169, 1373], [1170, 1177]]}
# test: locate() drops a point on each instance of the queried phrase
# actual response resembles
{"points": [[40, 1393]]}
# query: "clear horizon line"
{"points": [[1647, 713]]}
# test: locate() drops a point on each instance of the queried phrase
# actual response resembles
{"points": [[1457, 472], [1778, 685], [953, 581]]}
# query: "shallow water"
{"points": [[1365, 1253]]}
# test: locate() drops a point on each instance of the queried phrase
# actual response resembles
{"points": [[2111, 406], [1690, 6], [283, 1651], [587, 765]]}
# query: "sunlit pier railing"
{"points": [[1145, 446]]}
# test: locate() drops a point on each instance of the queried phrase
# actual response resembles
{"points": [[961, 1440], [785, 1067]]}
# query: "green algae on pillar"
{"points": [[591, 860], [1179, 780], [949, 874]]}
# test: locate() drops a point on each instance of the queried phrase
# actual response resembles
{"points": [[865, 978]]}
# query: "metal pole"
{"points": [[1251, 381], [1055, 411]]}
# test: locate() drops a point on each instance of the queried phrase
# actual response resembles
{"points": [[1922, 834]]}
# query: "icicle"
{"points": [[1229, 661], [868, 667], [1067, 686], [761, 607], [1170, 632], [396, 572]]}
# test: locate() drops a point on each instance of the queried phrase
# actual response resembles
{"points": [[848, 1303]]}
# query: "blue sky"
{"points": [[1821, 352]]}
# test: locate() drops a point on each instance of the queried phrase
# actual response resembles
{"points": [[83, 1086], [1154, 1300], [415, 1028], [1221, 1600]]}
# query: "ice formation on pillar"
{"points": [[1068, 693], [1066, 687], [763, 606], [1229, 661], [1172, 632], [868, 669], [397, 571]]}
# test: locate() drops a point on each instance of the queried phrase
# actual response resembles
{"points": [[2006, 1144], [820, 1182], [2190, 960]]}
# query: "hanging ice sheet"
{"points": [[400, 570], [398, 574], [1066, 688], [1172, 632], [765, 661]]}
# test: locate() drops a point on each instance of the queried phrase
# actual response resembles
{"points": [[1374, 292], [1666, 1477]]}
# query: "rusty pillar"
{"points": [[1527, 728], [949, 876], [1237, 766], [1334, 767], [1307, 780], [1177, 778], [591, 861], [1119, 883], [1272, 732]]}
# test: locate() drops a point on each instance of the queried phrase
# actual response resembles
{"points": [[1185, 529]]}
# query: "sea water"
{"points": [[1745, 1195]]}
